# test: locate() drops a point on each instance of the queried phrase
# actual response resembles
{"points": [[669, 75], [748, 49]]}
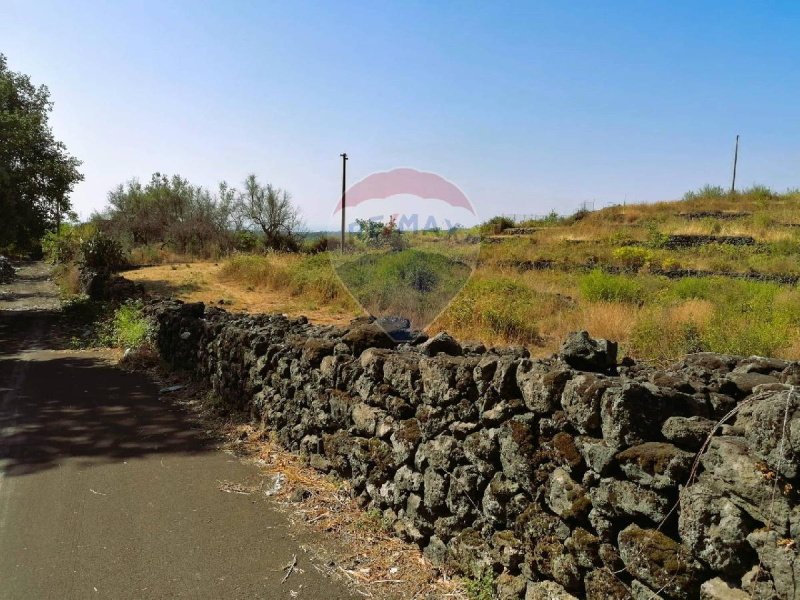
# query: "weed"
{"points": [[481, 588]]}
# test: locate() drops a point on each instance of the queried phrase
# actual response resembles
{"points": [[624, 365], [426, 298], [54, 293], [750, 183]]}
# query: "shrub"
{"points": [[101, 253], [633, 257], [598, 286], [656, 239], [64, 246], [707, 192], [496, 225], [245, 241]]}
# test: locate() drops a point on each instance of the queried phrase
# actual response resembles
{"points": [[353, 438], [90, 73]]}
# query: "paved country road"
{"points": [[106, 492]]}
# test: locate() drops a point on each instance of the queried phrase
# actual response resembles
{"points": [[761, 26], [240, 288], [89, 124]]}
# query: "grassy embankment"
{"points": [[603, 272]]}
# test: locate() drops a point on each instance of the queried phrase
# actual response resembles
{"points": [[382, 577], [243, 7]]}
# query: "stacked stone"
{"points": [[571, 476]]}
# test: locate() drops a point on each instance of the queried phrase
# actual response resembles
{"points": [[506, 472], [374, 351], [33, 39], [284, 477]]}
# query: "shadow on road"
{"points": [[56, 406], [86, 409]]}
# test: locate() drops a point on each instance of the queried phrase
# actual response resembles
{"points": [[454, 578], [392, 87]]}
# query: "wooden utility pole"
{"points": [[735, 160], [344, 194]]}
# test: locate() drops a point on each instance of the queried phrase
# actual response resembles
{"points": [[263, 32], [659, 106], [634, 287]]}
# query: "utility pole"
{"points": [[344, 194], [735, 160]]}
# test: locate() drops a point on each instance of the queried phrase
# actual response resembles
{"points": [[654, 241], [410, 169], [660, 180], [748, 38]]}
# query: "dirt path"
{"points": [[107, 492]]}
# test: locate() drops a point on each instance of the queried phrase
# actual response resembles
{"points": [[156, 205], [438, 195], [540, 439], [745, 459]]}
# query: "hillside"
{"points": [[711, 272]]}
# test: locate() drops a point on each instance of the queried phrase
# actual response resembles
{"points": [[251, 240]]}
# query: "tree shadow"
{"points": [[55, 408]]}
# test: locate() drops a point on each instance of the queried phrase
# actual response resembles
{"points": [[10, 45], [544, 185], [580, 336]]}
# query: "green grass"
{"points": [[413, 283], [129, 326], [480, 588], [599, 286]]}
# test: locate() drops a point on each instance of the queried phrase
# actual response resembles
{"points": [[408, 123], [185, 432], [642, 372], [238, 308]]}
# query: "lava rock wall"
{"points": [[567, 477]]}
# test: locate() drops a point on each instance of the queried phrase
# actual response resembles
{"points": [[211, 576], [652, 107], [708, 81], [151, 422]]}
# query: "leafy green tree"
{"points": [[37, 173], [171, 211]]}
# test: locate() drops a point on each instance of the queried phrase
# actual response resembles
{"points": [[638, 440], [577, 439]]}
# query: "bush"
{"points": [[707, 192], [102, 253], [633, 257], [598, 286], [245, 241], [496, 225], [64, 246]]}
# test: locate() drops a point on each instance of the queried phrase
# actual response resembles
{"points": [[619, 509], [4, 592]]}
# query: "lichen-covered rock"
{"points": [[508, 587], [781, 559], [597, 454], [440, 453], [517, 449], [584, 546], [541, 385], [368, 335], [547, 590], [441, 342], [626, 499], [655, 464], [566, 497], [468, 552], [482, 450], [631, 414], [687, 432], [745, 382], [771, 422], [602, 584], [581, 401], [659, 562], [730, 465], [715, 529], [497, 499]]}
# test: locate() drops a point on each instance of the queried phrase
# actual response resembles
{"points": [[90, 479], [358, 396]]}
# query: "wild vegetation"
{"points": [[612, 272]]}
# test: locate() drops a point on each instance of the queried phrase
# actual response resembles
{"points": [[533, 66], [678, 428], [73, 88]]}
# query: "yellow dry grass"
{"points": [[203, 282]]}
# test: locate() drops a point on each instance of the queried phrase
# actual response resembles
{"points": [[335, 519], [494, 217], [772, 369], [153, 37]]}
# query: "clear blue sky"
{"points": [[526, 106]]}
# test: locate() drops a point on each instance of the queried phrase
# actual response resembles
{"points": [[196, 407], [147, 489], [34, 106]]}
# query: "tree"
{"points": [[171, 211], [271, 209], [37, 173]]}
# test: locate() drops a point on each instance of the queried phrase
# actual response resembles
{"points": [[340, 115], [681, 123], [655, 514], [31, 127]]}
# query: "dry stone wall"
{"points": [[567, 477]]}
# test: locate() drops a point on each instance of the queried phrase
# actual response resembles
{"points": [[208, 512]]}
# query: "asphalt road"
{"points": [[106, 492]]}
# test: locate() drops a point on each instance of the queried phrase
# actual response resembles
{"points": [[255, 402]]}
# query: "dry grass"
{"points": [[206, 282]]}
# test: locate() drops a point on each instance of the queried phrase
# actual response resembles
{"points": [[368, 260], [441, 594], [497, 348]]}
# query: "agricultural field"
{"points": [[712, 272]]}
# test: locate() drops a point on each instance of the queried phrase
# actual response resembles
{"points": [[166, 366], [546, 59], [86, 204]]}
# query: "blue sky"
{"points": [[526, 106]]}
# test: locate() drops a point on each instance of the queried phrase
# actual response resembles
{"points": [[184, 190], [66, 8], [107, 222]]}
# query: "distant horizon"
{"points": [[526, 107]]}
